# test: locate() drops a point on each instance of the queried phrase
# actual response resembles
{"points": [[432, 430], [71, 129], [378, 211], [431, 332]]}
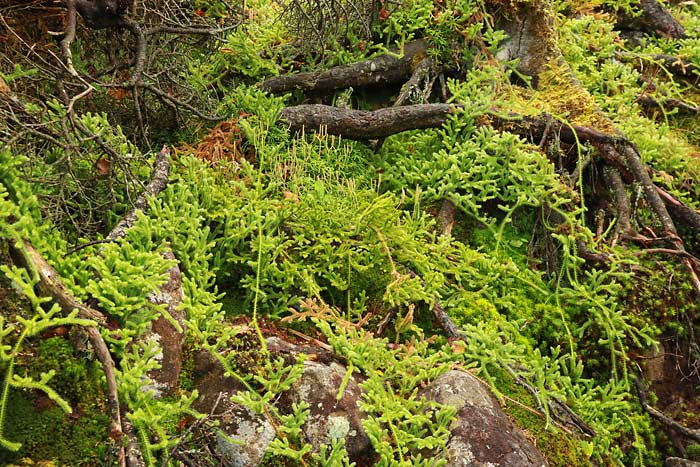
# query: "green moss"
{"points": [[186, 379], [693, 452], [79, 439], [559, 448], [45, 431]]}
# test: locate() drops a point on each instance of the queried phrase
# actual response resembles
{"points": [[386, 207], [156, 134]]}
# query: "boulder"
{"points": [[481, 435]]}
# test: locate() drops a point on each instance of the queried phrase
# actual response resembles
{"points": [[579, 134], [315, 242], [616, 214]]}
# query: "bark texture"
{"points": [[364, 125], [385, 69]]}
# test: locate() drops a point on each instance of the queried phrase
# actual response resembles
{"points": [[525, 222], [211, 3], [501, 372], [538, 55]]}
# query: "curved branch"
{"points": [[363, 125], [385, 69], [50, 285]]}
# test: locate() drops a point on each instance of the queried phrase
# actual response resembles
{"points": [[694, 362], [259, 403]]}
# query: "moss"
{"points": [[559, 448], [693, 452], [45, 431], [51, 435], [560, 94], [270, 460], [186, 378]]}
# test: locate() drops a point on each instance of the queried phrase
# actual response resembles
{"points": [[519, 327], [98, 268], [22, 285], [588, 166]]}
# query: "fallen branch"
{"points": [[50, 285], [159, 180], [364, 125], [391, 68], [655, 19]]}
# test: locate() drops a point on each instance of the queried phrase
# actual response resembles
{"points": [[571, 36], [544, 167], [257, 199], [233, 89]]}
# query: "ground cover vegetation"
{"points": [[509, 188]]}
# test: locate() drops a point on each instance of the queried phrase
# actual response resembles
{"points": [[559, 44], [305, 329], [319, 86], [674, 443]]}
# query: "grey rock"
{"points": [[679, 462], [482, 435]]}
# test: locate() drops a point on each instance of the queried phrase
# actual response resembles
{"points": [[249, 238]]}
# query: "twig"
{"points": [[77, 248], [384, 323], [175, 102], [444, 321], [660, 416]]}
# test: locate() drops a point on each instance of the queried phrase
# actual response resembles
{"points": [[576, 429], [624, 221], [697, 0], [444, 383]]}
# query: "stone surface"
{"points": [[249, 434], [482, 435], [679, 462], [170, 339]]}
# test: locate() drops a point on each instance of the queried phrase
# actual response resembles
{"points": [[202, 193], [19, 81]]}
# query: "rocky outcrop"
{"points": [[481, 435], [164, 331]]}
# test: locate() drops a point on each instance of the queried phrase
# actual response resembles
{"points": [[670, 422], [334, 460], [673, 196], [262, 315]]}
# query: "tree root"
{"points": [[650, 102], [50, 285], [616, 150], [386, 69], [365, 125], [675, 65], [655, 19]]}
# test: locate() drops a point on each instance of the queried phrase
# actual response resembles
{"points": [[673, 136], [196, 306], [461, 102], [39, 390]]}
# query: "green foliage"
{"points": [[402, 426]]}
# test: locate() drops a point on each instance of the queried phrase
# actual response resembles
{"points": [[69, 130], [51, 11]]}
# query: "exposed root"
{"points": [[378, 71], [661, 417], [650, 102]]}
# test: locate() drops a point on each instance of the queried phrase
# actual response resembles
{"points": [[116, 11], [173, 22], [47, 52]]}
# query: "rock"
{"points": [[170, 339], [248, 434], [482, 435], [678, 462], [329, 418]]}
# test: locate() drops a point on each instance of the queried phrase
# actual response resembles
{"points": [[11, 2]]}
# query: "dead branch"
{"points": [[561, 412], [364, 125], [386, 69], [50, 285], [655, 19], [443, 319], [650, 102], [159, 180]]}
